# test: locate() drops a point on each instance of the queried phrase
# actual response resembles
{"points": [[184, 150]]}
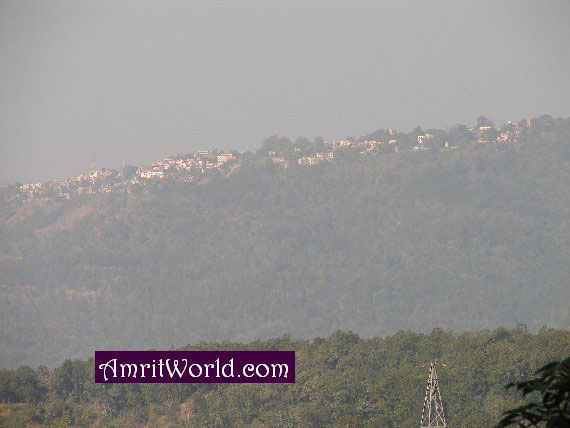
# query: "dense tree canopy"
{"points": [[552, 383], [342, 380]]}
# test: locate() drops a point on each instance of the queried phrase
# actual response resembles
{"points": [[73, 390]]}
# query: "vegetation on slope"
{"points": [[465, 239]]}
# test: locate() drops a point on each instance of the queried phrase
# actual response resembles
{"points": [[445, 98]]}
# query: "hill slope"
{"points": [[464, 239]]}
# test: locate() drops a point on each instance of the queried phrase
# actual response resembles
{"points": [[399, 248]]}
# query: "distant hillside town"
{"points": [[281, 152]]}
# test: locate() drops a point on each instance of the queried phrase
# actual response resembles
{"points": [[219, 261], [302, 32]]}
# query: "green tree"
{"points": [[62, 379], [553, 410], [483, 121]]}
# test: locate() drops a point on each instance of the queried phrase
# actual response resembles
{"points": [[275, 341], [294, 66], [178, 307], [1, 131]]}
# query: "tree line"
{"points": [[342, 380]]}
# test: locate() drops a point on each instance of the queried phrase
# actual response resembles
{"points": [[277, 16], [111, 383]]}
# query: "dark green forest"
{"points": [[342, 381], [464, 239]]}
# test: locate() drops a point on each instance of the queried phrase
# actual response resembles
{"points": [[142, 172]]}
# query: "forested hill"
{"points": [[467, 238], [341, 381]]}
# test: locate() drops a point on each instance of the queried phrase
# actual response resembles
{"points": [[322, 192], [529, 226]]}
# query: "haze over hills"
{"points": [[462, 228]]}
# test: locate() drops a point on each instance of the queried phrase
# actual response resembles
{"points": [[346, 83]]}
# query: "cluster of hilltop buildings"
{"points": [[199, 162], [480, 135], [362, 147], [184, 168]]}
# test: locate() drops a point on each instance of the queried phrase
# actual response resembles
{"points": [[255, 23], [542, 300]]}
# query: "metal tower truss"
{"points": [[432, 414]]}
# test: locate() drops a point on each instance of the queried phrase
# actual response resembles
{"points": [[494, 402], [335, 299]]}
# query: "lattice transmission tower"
{"points": [[432, 413]]}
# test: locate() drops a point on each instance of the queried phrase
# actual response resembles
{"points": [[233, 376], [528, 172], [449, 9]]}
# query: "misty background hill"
{"points": [[465, 239]]}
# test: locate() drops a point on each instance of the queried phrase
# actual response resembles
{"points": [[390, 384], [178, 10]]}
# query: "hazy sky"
{"points": [[140, 80]]}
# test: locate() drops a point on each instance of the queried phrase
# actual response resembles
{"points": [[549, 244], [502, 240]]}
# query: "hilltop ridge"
{"points": [[282, 153]]}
